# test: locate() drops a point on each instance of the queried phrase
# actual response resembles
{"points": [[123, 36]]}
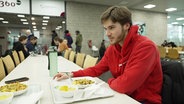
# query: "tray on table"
{"points": [[101, 92]]}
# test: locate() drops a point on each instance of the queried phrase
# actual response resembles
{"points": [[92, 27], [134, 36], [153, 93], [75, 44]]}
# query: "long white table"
{"points": [[36, 68]]}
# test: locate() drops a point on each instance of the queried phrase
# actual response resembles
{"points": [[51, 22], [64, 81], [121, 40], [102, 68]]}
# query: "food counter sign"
{"points": [[9, 3]]}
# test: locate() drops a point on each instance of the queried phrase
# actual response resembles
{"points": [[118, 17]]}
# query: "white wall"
{"points": [[48, 7], [86, 18], [156, 24]]}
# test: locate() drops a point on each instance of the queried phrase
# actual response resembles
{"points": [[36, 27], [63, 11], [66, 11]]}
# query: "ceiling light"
{"points": [[179, 19], [1, 18], [33, 23], [25, 23], [174, 23], [63, 22], [45, 17], [34, 27], [23, 19], [5, 22], [32, 18], [59, 27], [20, 15], [45, 21], [123, 3], [168, 17], [170, 9], [149, 6], [183, 24], [43, 28]]}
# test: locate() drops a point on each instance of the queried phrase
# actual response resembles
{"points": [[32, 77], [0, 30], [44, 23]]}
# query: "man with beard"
{"points": [[132, 59]]}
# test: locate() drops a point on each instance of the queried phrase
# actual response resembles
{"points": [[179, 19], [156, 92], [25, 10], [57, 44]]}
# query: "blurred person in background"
{"points": [[62, 45], [102, 49], [132, 59], [29, 34], [54, 34], [68, 38], [78, 42], [31, 44], [21, 45]]}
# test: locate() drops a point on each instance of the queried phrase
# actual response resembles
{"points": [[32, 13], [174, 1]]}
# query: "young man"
{"points": [[20, 45], [69, 38], [78, 42], [54, 34], [31, 43], [132, 59]]}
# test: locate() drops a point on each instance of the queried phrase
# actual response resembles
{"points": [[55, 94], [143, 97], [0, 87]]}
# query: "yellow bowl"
{"points": [[6, 97]]}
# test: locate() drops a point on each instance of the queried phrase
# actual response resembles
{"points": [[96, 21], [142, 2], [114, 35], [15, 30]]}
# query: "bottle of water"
{"points": [[52, 63]]}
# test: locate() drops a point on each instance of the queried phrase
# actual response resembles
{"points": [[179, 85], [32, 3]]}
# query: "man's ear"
{"points": [[126, 26]]}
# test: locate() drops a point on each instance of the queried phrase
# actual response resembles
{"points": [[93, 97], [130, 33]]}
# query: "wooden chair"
{"points": [[80, 59], [89, 61], [2, 70], [179, 48], [21, 56], [9, 64], [15, 58], [72, 56], [173, 54], [162, 51], [66, 54]]}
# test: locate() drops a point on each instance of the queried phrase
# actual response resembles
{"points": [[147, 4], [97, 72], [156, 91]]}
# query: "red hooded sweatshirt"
{"points": [[135, 67]]}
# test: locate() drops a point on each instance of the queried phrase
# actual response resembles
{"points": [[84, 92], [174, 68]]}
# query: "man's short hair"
{"points": [[58, 39], [28, 32], [22, 38], [66, 31], [77, 31], [33, 38], [119, 14]]}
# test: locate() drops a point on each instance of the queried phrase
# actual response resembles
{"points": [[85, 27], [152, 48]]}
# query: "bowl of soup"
{"points": [[66, 91], [6, 97]]}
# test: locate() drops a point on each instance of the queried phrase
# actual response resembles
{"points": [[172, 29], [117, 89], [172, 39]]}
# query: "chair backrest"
{"points": [[179, 48], [2, 70], [173, 81], [21, 56], [89, 61], [80, 59], [173, 54], [9, 64], [16, 57], [66, 54], [72, 56], [162, 51]]}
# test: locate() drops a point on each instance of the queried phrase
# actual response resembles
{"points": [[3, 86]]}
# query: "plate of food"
{"points": [[83, 82], [17, 88]]}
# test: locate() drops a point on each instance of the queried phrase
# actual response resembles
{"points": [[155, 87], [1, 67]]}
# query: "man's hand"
{"points": [[61, 76]]}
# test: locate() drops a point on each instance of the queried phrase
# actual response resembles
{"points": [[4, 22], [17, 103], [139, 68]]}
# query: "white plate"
{"points": [[20, 91], [87, 85]]}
